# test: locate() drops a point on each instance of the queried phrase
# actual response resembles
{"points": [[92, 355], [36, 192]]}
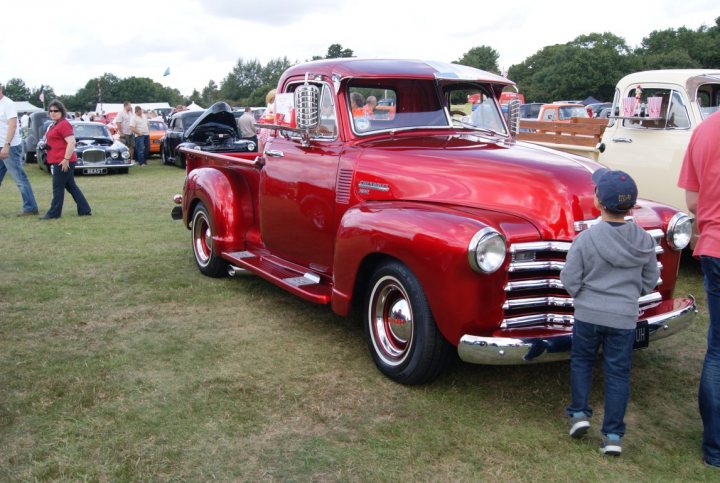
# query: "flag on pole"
{"points": [[42, 94], [167, 72]]}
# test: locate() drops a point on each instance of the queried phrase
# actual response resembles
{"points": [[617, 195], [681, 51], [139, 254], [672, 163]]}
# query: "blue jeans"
{"points": [[617, 348], [142, 148], [61, 181], [13, 164], [709, 393]]}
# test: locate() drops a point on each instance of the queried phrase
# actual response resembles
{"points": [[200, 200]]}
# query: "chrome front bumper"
{"points": [[513, 351]]}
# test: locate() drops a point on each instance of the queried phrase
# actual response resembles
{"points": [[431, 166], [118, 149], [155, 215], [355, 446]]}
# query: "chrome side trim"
{"points": [[546, 318], [533, 266], [543, 246], [534, 284], [545, 265], [511, 351], [583, 225], [550, 318], [538, 302]]}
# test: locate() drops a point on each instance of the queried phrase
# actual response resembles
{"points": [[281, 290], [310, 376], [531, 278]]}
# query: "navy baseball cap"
{"points": [[616, 190]]}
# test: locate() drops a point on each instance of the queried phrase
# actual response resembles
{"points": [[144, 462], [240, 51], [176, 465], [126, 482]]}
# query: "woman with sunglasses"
{"points": [[61, 157]]}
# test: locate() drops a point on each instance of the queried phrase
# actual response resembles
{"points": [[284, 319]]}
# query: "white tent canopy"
{"points": [[25, 106], [107, 107], [195, 107]]}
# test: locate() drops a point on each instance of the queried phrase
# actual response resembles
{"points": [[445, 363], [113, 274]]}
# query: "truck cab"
{"points": [[651, 148]]}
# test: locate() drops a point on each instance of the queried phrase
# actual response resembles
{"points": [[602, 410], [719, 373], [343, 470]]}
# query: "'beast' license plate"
{"points": [[94, 170], [642, 335]]}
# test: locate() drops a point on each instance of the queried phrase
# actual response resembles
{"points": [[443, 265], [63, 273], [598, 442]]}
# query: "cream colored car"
{"points": [[651, 149]]}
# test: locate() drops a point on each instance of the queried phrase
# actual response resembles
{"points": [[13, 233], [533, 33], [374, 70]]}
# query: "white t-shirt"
{"points": [[7, 112], [141, 124], [123, 121]]}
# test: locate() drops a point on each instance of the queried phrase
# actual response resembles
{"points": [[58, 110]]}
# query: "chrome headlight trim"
{"points": [[487, 250], [126, 154], [679, 231]]}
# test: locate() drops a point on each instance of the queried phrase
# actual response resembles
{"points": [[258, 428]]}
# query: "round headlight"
{"points": [[126, 154], [679, 231], [251, 146], [114, 154], [487, 249]]}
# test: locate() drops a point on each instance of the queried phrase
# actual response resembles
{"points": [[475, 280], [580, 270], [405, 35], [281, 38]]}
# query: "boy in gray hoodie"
{"points": [[607, 269]]}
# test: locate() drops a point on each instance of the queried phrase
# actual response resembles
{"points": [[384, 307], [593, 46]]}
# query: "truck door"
{"points": [[298, 221]]}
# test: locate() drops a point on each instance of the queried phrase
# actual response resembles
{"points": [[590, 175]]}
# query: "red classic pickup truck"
{"points": [[446, 232]]}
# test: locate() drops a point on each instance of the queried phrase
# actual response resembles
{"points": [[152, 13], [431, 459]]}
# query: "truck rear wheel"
{"points": [[402, 336], [207, 260]]}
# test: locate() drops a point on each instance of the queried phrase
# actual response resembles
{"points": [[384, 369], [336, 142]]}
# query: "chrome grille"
{"points": [[535, 295], [93, 156]]}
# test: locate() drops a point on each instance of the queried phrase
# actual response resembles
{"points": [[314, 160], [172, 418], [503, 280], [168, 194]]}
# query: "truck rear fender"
{"points": [[229, 203], [433, 242]]}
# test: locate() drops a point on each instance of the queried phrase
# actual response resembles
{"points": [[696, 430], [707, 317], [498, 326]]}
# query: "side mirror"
{"points": [[307, 100], [514, 117]]}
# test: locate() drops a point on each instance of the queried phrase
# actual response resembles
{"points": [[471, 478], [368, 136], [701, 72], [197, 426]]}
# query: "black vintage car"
{"points": [[97, 152], [213, 130], [34, 134]]}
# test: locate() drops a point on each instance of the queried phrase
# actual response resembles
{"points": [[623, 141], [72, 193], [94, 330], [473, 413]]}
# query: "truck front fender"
{"points": [[227, 197], [432, 241]]}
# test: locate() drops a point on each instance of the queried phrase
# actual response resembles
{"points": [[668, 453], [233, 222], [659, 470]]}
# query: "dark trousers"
{"points": [[617, 348], [709, 394], [129, 141], [61, 181], [142, 148]]}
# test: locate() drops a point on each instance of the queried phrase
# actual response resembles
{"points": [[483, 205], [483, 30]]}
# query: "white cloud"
{"points": [[66, 45]]}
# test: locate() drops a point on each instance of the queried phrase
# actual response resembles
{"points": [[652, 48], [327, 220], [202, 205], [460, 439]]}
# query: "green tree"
{"points": [[16, 90], [245, 77], [482, 57], [210, 94], [335, 51], [589, 65], [682, 47]]}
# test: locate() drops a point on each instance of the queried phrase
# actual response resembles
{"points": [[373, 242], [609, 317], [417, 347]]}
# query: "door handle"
{"points": [[274, 153], [621, 140]]}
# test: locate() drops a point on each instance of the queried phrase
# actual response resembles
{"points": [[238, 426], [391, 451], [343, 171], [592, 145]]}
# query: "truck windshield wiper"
{"points": [[475, 128]]}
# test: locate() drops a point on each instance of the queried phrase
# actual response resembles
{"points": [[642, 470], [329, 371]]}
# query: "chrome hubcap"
{"points": [[392, 321], [202, 239]]}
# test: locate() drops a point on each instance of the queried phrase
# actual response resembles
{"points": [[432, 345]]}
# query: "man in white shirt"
{"points": [[11, 154], [141, 130], [122, 120]]}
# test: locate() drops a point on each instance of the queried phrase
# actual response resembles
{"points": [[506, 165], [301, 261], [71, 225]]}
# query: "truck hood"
{"points": [[217, 120], [549, 188]]}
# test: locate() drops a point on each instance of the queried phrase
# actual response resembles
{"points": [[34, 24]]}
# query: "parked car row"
{"points": [[98, 152]]}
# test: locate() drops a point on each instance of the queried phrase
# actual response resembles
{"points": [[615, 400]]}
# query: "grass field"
{"points": [[120, 362]]}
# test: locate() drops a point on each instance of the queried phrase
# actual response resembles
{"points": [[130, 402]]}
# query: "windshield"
{"points": [[157, 126], [389, 104], [568, 112], [90, 131]]}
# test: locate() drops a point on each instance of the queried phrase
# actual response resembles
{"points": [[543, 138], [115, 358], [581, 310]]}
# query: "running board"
{"points": [[307, 285]]}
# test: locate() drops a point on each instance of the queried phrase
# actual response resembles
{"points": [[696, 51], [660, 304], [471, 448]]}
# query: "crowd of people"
{"points": [[608, 267]]}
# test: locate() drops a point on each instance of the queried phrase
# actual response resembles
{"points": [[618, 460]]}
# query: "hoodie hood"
{"points": [[623, 246]]}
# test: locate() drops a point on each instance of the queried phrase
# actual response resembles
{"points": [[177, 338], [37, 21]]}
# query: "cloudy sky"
{"points": [[64, 44]]}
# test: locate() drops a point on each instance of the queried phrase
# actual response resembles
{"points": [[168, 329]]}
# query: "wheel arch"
{"points": [[433, 243], [228, 202]]}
